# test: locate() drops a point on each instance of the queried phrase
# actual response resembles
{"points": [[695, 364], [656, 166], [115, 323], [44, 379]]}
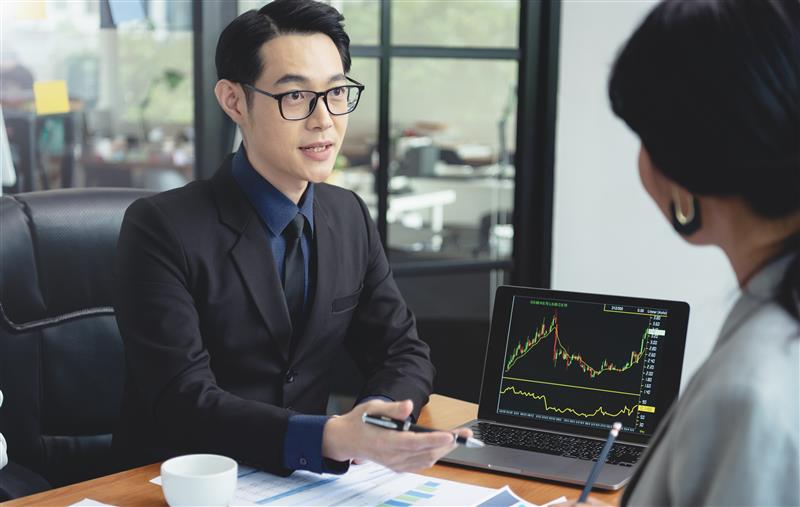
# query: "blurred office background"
{"points": [[484, 145]]}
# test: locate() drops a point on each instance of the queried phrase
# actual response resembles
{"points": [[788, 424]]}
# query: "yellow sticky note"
{"points": [[30, 10], [51, 97]]}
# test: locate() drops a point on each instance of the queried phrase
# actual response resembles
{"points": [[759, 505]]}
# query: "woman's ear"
{"points": [[231, 99], [658, 186]]}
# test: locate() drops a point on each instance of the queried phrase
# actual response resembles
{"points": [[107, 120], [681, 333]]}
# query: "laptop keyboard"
{"points": [[555, 444]]}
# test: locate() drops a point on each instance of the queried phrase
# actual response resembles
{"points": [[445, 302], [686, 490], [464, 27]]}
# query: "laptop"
{"points": [[560, 369]]}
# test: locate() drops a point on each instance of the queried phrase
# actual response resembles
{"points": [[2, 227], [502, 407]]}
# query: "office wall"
{"points": [[608, 236]]}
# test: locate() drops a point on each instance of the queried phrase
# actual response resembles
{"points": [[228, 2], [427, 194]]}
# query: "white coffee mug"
{"points": [[199, 479]]}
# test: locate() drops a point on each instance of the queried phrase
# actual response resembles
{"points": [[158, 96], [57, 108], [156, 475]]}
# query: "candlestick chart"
{"points": [[581, 363]]}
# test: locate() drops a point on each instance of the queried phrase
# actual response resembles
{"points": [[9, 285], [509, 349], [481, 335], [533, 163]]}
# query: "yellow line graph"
{"points": [[543, 398]]}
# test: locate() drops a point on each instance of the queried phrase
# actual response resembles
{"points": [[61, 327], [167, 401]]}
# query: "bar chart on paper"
{"points": [[367, 484], [415, 496]]}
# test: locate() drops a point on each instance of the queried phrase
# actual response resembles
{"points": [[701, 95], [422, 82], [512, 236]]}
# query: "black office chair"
{"points": [[61, 355]]}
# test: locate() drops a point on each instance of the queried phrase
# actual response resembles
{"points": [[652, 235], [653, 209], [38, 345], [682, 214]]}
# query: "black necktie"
{"points": [[294, 273]]}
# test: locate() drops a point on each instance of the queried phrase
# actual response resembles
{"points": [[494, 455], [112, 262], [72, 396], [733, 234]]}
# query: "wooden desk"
{"points": [[132, 487]]}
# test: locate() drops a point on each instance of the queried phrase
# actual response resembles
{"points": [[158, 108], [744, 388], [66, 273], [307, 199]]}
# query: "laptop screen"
{"points": [[582, 361]]}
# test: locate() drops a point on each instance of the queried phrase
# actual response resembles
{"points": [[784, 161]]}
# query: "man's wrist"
{"points": [[333, 445]]}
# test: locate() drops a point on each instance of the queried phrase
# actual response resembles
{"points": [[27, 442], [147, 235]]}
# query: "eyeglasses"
{"points": [[299, 104]]}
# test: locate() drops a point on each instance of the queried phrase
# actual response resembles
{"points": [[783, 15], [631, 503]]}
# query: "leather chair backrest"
{"points": [[61, 355]]}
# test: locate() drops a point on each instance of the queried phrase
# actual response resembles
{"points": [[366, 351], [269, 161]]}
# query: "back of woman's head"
{"points": [[712, 88]]}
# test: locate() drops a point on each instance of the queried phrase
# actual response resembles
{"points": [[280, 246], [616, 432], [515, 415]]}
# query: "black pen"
{"points": [[600, 460], [398, 425]]}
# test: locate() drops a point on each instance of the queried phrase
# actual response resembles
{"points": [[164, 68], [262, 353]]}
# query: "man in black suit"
{"points": [[233, 294]]}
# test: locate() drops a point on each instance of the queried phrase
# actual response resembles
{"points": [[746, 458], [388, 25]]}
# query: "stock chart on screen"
{"points": [[582, 363]]}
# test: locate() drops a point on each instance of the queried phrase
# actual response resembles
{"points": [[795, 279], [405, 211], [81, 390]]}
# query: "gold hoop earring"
{"points": [[680, 216], [685, 222]]}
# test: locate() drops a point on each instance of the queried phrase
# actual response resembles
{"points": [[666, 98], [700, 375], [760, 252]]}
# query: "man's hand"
{"points": [[348, 438]]}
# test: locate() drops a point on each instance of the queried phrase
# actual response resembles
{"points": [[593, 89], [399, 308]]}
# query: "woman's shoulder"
{"points": [[765, 343], [756, 368], [733, 437]]}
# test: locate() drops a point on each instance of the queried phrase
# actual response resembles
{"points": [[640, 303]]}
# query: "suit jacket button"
{"points": [[290, 375]]}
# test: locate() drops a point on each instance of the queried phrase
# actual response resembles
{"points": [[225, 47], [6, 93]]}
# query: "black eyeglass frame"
{"points": [[317, 95]]}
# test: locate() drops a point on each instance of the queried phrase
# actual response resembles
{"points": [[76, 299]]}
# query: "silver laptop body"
{"points": [[570, 364]]}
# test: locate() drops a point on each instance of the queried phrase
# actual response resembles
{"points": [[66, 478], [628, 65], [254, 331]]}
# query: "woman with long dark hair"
{"points": [[712, 89]]}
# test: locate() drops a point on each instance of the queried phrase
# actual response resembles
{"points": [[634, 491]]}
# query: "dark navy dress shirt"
{"points": [[302, 448]]}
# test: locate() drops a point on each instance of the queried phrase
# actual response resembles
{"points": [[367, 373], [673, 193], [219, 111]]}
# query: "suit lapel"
{"points": [[252, 256], [326, 261], [253, 259]]}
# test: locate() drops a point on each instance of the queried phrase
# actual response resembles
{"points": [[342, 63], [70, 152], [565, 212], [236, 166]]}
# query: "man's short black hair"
{"points": [[238, 58]]}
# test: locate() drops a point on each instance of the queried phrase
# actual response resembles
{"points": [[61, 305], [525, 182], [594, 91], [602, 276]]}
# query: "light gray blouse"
{"points": [[733, 436]]}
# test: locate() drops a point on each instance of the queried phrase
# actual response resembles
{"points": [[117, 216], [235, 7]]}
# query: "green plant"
{"points": [[171, 78]]}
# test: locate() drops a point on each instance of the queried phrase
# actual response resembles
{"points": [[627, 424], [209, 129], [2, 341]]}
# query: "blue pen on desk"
{"points": [[398, 425], [600, 460]]}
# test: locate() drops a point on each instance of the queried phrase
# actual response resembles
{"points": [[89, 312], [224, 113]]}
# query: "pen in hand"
{"points": [[398, 425], [600, 460]]}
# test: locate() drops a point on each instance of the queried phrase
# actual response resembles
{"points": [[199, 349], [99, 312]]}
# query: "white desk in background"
{"points": [[476, 197], [468, 199], [405, 208]]}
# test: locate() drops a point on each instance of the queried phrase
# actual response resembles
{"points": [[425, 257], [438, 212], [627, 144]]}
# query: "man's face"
{"points": [[291, 153]]}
